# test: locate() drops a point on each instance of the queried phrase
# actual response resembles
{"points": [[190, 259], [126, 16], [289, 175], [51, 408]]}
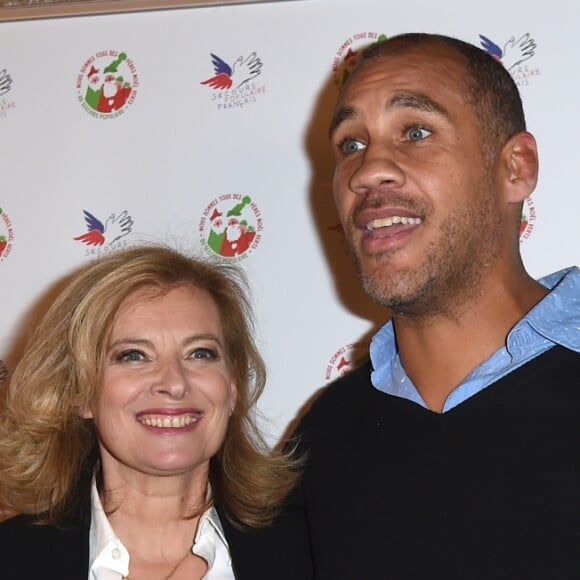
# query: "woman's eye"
{"points": [[130, 356], [351, 146], [418, 133], [204, 353]]}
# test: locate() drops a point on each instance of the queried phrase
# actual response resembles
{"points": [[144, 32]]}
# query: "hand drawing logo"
{"points": [[232, 85], [107, 84], [6, 235], [108, 236], [3, 372], [5, 82], [5, 87], [349, 53], [513, 55], [345, 359], [527, 220], [231, 226]]}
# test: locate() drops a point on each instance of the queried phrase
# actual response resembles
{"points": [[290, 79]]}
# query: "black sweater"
{"points": [[490, 489]]}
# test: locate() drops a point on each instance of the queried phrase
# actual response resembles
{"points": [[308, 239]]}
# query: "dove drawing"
{"points": [[226, 76], [97, 234], [5, 82], [514, 52]]}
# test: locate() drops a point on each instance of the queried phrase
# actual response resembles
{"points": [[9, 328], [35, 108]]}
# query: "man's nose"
{"points": [[378, 168]]}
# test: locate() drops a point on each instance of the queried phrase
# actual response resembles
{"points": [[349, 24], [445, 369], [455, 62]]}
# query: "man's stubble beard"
{"points": [[449, 277]]}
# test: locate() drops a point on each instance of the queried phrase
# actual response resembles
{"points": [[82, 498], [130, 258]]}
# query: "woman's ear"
{"points": [[234, 397], [518, 165], [85, 412]]}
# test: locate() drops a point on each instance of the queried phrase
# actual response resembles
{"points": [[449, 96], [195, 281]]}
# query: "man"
{"points": [[455, 452]]}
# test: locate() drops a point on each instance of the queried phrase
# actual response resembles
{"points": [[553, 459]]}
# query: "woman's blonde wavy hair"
{"points": [[48, 452]]}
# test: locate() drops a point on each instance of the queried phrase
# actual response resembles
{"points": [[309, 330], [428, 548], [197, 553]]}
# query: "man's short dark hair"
{"points": [[491, 91]]}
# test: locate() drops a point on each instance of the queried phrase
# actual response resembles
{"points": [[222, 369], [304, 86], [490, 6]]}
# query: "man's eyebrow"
{"points": [[342, 114], [399, 100], [417, 101]]}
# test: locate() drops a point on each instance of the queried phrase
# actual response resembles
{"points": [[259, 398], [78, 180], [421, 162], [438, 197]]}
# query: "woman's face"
{"points": [[167, 391]]}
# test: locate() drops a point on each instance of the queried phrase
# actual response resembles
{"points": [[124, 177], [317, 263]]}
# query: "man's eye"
{"points": [[203, 353], [351, 146], [130, 356], [417, 133]]}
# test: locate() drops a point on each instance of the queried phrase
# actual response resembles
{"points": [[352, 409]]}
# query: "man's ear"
{"points": [[518, 167]]}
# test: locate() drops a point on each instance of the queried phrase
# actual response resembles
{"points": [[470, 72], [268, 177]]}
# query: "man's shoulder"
{"points": [[570, 275], [349, 390]]}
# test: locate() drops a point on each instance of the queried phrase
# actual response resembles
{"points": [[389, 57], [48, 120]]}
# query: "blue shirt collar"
{"points": [[556, 318]]}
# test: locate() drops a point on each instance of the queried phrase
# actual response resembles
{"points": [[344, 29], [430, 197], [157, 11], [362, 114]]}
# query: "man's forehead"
{"points": [[430, 57], [421, 77]]}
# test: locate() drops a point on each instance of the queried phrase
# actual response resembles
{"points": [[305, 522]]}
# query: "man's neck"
{"points": [[438, 352]]}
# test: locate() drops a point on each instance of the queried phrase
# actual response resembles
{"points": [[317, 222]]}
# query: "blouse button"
{"points": [[116, 553]]}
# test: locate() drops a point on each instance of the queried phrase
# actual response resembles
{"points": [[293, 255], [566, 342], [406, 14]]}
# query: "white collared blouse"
{"points": [[109, 559]]}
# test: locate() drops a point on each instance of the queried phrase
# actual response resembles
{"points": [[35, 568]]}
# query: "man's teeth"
{"points": [[392, 221], [166, 421]]}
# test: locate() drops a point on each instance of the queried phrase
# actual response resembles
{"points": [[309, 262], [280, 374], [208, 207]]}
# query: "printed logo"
{"points": [[5, 82], [5, 87], [103, 238], [513, 55], [232, 85], [6, 235], [345, 359], [231, 226], [528, 219], [348, 55], [107, 84], [3, 372]]}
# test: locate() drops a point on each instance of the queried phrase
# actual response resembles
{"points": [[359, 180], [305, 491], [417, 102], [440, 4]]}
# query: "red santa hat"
{"points": [[216, 214], [93, 71]]}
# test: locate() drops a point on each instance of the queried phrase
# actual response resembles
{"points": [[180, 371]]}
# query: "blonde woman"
{"points": [[129, 420]]}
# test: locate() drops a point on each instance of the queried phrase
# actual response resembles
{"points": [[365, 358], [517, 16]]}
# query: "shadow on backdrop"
{"points": [[331, 235], [30, 319]]}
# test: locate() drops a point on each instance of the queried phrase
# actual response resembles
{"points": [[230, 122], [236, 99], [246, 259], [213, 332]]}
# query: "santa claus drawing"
{"points": [[238, 235], [107, 91]]}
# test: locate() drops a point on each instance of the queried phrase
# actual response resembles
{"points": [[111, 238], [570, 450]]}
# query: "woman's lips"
{"points": [[172, 419]]}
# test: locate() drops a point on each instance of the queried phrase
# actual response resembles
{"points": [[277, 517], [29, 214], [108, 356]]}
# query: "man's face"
{"points": [[411, 187]]}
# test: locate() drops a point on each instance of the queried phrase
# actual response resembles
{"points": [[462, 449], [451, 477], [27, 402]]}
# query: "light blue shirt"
{"points": [[554, 320]]}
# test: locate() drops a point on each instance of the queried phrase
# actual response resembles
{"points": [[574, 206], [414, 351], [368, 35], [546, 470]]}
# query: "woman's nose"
{"points": [[172, 380]]}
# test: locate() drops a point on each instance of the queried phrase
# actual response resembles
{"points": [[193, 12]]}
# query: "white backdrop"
{"points": [[167, 153]]}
